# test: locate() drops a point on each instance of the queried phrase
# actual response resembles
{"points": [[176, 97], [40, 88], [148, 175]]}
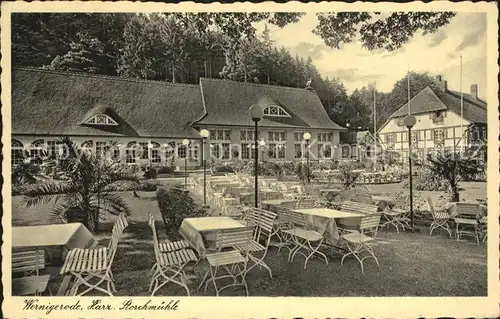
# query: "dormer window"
{"points": [[275, 110], [101, 119]]}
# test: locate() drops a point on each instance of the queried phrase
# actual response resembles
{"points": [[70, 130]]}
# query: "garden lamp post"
{"points": [[409, 122], [256, 114], [204, 134], [150, 147], [262, 143], [185, 142], [307, 137]]}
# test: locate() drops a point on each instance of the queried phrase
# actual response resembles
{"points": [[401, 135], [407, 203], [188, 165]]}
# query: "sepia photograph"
{"points": [[286, 153]]}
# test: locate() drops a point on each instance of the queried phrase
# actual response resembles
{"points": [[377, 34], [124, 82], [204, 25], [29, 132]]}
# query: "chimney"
{"points": [[442, 84], [473, 91]]}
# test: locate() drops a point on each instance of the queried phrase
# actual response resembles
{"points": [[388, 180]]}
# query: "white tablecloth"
{"points": [[200, 231], [323, 221], [69, 236]]}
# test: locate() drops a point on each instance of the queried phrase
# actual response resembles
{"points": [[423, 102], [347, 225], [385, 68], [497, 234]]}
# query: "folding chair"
{"points": [[358, 242], [29, 262], [87, 265], [264, 230], [168, 246], [168, 266], [234, 262], [466, 220], [440, 219], [483, 227], [303, 238]]}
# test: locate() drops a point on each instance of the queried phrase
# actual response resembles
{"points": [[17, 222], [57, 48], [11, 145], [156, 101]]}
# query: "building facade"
{"points": [[142, 122], [439, 122]]}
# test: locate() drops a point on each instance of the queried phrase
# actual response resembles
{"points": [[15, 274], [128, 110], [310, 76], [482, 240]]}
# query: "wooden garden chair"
{"points": [[263, 221], [466, 220], [168, 246], [440, 219], [234, 261], [29, 262], [354, 207], [359, 242], [87, 265], [304, 239], [169, 265]]}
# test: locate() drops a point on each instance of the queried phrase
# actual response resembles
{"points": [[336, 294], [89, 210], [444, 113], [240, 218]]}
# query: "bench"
{"points": [[358, 208], [29, 262]]}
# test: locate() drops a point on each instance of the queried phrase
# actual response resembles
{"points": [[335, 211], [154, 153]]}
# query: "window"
{"points": [[17, 155], [169, 150], [272, 150], [52, 149], [275, 110], [225, 150], [101, 119], [298, 136], [438, 134], [155, 153], [297, 150], [131, 153], [389, 138], [248, 135], [37, 152], [215, 150], [400, 121], [220, 135], [277, 136], [193, 153], [182, 151], [414, 137], [325, 137], [101, 148], [324, 151], [281, 151], [245, 151]]}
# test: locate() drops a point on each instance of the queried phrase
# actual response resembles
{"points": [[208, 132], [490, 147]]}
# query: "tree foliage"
{"points": [[375, 30]]}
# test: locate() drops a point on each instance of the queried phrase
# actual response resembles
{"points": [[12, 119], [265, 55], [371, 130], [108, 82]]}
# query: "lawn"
{"points": [[411, 264]]}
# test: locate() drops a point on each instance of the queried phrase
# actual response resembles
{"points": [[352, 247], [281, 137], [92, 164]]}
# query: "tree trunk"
{"points": [[205, 66], [209, 67], [173, 73], [268, 75]]}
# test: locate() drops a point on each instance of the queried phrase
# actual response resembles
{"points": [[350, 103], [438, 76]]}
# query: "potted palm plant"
{"points": [[85, 190]]}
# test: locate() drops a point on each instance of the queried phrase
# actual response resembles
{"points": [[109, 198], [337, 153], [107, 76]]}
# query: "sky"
{"points": [[437, 54]]}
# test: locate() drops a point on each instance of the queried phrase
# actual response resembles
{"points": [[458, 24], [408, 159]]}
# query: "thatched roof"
{"points": [[227, 103], [429, 100], [50, 102]]}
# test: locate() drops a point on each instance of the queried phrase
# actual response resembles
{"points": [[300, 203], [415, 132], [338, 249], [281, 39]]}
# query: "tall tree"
{"points": [[142, 55]]}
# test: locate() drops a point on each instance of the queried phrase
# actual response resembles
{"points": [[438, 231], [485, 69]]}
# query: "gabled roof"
{"points": [[423, 102], [50, 102], [429, 100], [227, 103]]}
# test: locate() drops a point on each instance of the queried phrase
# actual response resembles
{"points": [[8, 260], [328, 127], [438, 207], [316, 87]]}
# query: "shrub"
{"points": [[222, 169], [150, 173], [426, 180], [348, 177], [175, 205], [147, 186], [165, 169]]}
